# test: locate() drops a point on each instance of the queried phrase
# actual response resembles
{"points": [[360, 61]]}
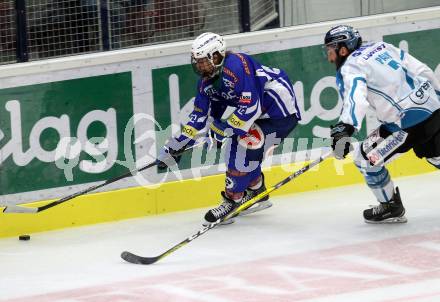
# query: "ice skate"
{"points": [[388, 212], [262, 204], [224, 209]]}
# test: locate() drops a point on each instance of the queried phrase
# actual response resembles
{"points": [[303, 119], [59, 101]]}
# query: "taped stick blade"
{"points": [[18, 209]]}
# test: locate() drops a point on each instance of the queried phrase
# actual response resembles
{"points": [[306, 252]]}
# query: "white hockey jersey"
{"points": [[402, 90]]}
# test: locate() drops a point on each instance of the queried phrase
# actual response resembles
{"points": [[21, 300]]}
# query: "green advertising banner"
{"points": [[314, 84], [421, 44], [72, 131], [63, 133]]}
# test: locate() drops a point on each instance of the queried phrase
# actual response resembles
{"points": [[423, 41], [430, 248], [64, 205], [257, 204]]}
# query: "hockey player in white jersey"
{"points": [[405, 95]]}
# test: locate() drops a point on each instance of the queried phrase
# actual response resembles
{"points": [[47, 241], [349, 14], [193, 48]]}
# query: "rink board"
{"points": [[188, 194], [96, 95]]}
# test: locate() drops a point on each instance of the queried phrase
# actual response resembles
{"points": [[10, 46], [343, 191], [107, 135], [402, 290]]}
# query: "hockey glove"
{"points": [[341, 144], [171, 153], [218, 132]]}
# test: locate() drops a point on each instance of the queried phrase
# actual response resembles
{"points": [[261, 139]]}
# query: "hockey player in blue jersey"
{"points": [[265, 111], [403, 92]]}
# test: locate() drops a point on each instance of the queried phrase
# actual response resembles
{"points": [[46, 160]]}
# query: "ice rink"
{"points": [[308, 247]]}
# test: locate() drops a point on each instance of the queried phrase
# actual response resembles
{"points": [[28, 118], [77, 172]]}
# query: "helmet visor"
{"points": [[326, 49]]}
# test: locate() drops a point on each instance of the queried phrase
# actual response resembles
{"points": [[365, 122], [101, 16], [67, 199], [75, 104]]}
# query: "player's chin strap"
{"points": [[132, 258], [20, 209]]}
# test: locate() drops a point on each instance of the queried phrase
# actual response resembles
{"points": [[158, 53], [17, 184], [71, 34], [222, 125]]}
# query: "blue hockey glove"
{"points": [[219, 131], [341, 143]]}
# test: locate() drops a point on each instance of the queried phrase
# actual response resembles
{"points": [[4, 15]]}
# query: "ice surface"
{"points": [[308, 247]]}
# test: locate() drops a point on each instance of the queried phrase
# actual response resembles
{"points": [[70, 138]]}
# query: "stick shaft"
{"points": [[130, 257], [19, 209]]}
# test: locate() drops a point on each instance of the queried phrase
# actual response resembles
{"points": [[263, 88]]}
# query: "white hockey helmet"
{"points": [[205, 46]]}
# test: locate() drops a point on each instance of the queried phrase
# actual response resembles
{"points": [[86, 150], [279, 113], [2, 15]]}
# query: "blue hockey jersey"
{"points": [[256, 91]]}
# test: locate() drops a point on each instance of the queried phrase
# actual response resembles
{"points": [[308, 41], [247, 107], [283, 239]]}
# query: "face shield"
{"points": [[327, 49], [331, 52]]}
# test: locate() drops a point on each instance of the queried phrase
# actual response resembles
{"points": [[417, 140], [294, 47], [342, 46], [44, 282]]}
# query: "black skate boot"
{"points": [[387, 212], [262, 204], [225, 208]]}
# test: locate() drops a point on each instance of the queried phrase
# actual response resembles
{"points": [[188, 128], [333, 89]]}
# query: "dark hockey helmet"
{"points": [[343, 35]]}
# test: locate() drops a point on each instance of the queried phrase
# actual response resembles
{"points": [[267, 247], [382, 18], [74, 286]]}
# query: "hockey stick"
{"points": [[20, 209], [132, 258]]}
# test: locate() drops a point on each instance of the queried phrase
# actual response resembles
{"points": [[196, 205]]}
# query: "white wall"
{"points": [[295, 12]]}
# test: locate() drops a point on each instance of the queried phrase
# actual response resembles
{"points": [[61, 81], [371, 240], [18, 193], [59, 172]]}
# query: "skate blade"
{"points": [[401, 219], [226, 222], [256, 208]]}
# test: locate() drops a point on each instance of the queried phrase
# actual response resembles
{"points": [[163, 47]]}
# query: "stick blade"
{"points": [[135, 259], [18, 209]]}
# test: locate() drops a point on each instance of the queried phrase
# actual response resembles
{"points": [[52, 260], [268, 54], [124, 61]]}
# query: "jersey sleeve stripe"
{"points": [[340, 84], [352, 102], [278, 101], [289, 102], [409, 80], [287, 86]]}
